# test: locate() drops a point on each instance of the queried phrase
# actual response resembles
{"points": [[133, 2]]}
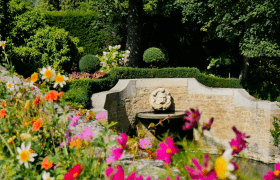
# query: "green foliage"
{"points": [[95, 35], [263, 78], [255, 23], [89, 63], [275, 133], [154, 55], [49, 46], [24, 26]]}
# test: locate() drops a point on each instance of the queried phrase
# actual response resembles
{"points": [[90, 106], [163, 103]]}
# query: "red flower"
{"points": [[74, 173]]}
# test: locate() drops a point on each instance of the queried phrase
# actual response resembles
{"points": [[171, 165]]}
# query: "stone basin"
{"points": [[161, 114]]}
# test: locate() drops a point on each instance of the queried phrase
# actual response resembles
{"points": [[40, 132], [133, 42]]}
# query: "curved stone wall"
{"points": [[228, 106]]}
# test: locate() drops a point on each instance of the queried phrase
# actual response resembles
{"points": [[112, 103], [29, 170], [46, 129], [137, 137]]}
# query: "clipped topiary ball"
{"points": [[154, 55], [89, 64]]}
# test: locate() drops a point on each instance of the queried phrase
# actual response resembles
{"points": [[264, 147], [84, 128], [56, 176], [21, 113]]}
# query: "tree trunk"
{"points": [[245, 67], [134, 28]]}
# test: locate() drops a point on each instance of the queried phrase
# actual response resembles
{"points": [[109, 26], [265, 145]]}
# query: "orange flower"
{"points": [[36, 102], [52, 96], [4, 103], [3, 113], [61, 94], [5, 130], [31, 151], [76, 143], [37, 125], [47, 165], [33, 121]]}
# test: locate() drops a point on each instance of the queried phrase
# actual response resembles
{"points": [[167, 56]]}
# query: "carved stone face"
{"points": [[160, 99]]}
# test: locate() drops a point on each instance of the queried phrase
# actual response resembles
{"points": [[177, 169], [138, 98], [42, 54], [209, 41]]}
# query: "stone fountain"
{"points": [[161, 102]]}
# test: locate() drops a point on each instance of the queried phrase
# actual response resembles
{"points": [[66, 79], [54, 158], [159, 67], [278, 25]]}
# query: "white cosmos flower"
{"points": [[3, 44], [60, 79], [48, 73], [46, 176], [223, 166], [25, 155]]}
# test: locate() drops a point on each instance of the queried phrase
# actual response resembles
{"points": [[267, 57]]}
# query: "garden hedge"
{"points": [[94, 37], [74, 87]]}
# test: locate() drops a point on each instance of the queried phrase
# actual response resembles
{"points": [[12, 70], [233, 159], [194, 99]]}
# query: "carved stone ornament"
{"points": [[160, 99]]}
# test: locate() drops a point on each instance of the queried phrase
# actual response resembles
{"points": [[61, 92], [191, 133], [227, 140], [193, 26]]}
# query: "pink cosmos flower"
{"points": [[74, 173], [118, 174], [238, 143], [87, 133], [110, 160], [167, 150], [192, 119], [101, 115], [141, 178], [273, 174], [203, 172], [117, 152], [122, 141], [67, 137], [74, 120], [145, 143], [207, 126]]}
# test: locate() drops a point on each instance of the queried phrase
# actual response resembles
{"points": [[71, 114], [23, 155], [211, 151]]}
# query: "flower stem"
{"points": [[7, 145]]}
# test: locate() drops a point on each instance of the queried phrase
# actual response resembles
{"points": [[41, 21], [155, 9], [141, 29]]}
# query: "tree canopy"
{"points": [[254, 22]]}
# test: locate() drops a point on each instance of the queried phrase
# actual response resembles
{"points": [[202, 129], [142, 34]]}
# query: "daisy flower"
{"points": [[60, 79], [48, 74], [25, 155], [10, 86], [46, 176], [223, 166], [3, 44]]}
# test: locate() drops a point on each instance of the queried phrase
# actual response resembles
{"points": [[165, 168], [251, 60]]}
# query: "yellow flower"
{"points": [[11, 140], [48, 73], [60, 79], [27, 104], [34, 77], [223, 165], [25, 155]]}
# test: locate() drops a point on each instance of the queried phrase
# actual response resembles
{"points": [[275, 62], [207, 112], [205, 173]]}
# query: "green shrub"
{"points": [[154, 56], [50, 46], [89, 64]]}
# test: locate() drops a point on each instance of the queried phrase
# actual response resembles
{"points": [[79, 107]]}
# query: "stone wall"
{"points": [[228, 106]]}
